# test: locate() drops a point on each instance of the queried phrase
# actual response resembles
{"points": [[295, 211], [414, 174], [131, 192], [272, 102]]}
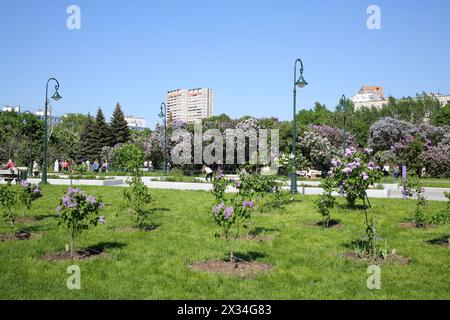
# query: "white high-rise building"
{"points": [[190, 105]]}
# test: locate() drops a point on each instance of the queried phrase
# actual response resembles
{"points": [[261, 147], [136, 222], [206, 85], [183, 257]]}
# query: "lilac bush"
{"points": [[77, 212], [317, 150], [354, 174], [28, 193], [334, 135]]}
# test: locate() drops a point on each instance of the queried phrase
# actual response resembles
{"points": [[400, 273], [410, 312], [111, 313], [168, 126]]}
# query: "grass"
{"points": [[307, 260]]}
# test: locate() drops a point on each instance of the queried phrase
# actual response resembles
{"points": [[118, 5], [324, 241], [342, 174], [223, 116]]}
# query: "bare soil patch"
{"points": [[410, 225], [242, 269], [78, 255], [135, 229], [20, 236], [392, 258], [333, 224]]}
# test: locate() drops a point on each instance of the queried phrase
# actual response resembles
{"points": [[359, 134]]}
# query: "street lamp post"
{"points": [[30, 138], [55, 97], [162, 115], [301, 83], [343, 103]]}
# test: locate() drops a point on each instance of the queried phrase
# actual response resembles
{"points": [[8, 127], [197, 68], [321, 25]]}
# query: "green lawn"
{"points": [[307, 260]]}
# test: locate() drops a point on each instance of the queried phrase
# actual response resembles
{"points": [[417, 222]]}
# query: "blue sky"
{"points": [[134, 51]]}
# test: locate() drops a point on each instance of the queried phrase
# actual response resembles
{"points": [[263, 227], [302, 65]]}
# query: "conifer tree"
{"points": [[119, 127], [102, 133], [88, 143]]}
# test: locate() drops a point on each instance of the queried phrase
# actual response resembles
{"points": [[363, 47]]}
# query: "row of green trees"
{"points": [[84, 137]]}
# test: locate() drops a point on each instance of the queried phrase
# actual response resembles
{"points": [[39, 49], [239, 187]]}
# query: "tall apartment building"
{"points": [[190, 105]]}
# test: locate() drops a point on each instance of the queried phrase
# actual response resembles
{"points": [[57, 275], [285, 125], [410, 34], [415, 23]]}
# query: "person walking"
{"points": [[95, 166], [35, 169], [56, 166]]}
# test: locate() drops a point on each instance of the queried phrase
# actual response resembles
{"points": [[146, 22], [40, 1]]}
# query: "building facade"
{"points": [[190, 105], [135, 123], [369, 97]]}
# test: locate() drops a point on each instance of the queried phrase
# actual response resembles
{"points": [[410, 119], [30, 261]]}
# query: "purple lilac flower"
{"points": [[364, 176], [248, 204], [101, 205], [101, 220], [350, 151], [91, 200], [371, 166], [37, 190], [368, 151], [58, 209], [227, 213], [67, 202], [217, 208], [220, 174], [334, 163], [347, 170], [25, 184]]}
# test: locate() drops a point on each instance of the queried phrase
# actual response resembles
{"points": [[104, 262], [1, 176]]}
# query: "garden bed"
{"points": [[390, 259], [19, 236], [78, 255], [242, 269]]}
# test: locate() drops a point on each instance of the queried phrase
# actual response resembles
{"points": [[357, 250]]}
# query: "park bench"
{"points": [[310, 174], [9, 175]]}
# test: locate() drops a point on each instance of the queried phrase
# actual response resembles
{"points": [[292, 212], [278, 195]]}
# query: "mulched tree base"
{"points": [[252, 237], [410, 225], [332, 224], [392, 258], [135, 229], [78, 255], [442, 242], [19, 236], [242, 269]]}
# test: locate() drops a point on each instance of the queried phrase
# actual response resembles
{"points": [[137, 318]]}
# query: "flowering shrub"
{"points": [[317, 150], [8, 203], [77, 212], [436, 160], [137, 199], [220, 184], [29, 193], [413, 188], [354, 174], [334, 135], [326, 201]]}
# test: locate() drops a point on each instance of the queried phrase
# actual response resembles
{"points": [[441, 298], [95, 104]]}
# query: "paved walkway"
{"points": [[391, 191]]}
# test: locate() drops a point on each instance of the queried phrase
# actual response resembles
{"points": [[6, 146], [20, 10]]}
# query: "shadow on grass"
{"points": [[356, 207], [249, 256], [262, 230], [441, 241], [104, 246], [332, 223]]}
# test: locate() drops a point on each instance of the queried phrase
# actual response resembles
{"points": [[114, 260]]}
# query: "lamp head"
{"points": [[301, 83], [56, 96]]}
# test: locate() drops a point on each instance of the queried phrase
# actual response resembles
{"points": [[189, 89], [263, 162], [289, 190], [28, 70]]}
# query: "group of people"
{"points": [[11, 166], [70, 166]]}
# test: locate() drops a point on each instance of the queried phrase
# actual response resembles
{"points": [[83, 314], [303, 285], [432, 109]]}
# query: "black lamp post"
{"points": [[30, 138], [301, 83], [55, 97], [162, 114]]}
